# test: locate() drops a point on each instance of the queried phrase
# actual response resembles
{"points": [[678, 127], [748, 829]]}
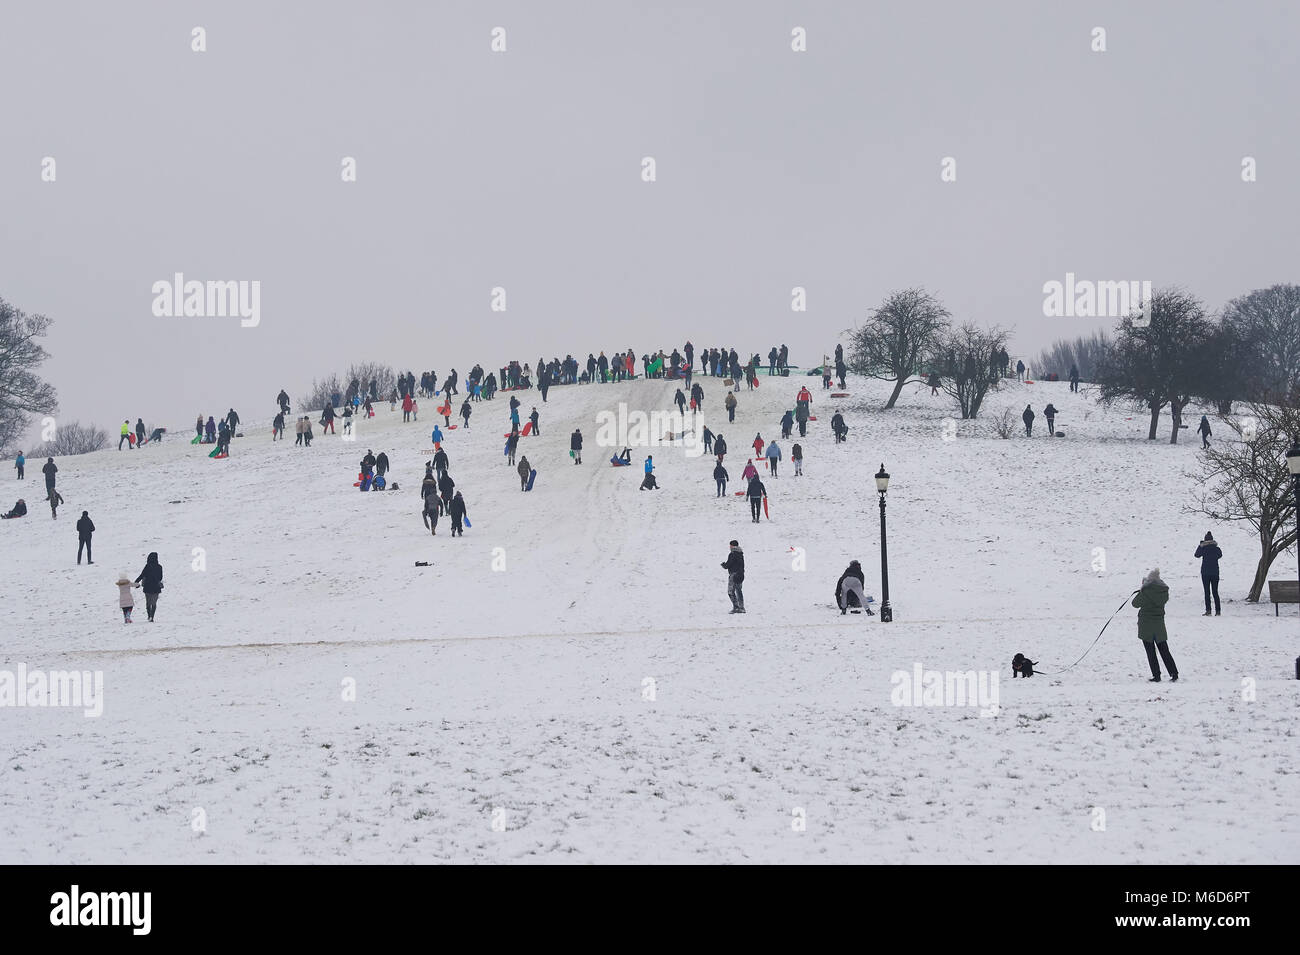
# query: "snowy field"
{"points": [[516, 696]]}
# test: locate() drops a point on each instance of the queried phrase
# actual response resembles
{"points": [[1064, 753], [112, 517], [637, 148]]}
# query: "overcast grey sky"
{"points": [[522, 169]]}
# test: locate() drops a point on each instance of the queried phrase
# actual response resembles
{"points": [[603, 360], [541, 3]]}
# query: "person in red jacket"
{"points": [[758, 446], [406, 407]]}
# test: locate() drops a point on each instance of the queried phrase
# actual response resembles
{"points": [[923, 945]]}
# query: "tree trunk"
{"points": [[898, 389], [1155, 421], [1261, 577], [1176, 408], [1269, 553]]}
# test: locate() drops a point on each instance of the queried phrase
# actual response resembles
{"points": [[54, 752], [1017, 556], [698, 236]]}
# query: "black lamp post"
{"points": [[882, 485], [1293, 465]]}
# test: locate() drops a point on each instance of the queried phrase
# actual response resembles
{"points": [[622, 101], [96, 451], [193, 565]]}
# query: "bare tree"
{"points": [[72, 438], [1159, 359], [1248, 480], [22, 393], [1265, 325], [321, 393], [1005, 424], [896, 336], [363, 373], [1084, 353], [969, 376]]}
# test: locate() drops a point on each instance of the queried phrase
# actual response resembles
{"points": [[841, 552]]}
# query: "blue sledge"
{"points": [[532, 476]]}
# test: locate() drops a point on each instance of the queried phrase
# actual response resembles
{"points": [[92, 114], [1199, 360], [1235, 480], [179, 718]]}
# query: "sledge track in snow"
{"points": [[856, 625]]}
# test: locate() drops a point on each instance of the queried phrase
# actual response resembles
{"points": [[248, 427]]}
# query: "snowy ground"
{"points": [[518, 695]]}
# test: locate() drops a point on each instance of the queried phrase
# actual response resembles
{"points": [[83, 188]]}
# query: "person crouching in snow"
{"points": [[848, 589], [125, 600]]}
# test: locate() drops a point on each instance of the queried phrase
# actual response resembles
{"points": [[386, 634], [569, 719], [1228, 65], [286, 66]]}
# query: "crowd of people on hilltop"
{"points": [[440, 497]]}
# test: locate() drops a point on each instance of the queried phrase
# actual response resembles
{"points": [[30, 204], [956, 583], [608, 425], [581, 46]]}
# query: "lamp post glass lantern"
{"points": [[886, 611]]}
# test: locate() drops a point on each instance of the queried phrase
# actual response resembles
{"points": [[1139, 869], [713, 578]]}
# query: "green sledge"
{"points": [[655, 365]]}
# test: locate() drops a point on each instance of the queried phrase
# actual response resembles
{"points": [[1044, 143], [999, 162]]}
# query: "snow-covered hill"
{"points": [[507, 682]]}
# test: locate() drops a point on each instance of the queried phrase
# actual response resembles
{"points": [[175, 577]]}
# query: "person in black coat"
{"points": [[457, 511], [1209, 553], [432, 507], [151, 582], [1203, 429], [85, 528], [720, 475], [1050, 414], [719, 447], [381, 464], [50, 470], [1028, 418], [575, 445], [756, 492], [368, 464], [440, 461], [446, 486], [734, 565]]}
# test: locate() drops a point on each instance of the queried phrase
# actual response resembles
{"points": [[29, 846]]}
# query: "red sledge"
{"points": [[839, 394], [765, 514]]}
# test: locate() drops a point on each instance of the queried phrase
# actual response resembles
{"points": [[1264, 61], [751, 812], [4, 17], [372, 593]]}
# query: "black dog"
{"points": [[1021, 665]]}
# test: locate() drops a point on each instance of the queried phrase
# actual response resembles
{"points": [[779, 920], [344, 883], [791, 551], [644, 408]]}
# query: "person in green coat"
{"points": [[1150, 601]]}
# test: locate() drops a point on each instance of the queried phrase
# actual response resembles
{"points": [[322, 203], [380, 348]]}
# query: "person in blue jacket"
{"points": [[19, 463], [437, 435], [773, 456], [1209, 553]]}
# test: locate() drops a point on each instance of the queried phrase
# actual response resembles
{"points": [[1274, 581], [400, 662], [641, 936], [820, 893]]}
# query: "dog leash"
{"points": [[1095, 641]]}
